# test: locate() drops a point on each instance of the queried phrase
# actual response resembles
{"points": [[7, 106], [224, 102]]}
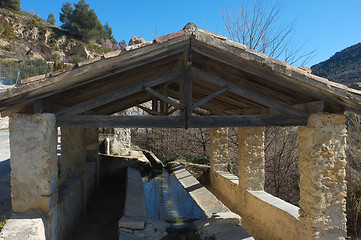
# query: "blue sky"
{"points": [[327, 26]]}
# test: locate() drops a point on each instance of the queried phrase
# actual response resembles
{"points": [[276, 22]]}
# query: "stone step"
{"points": [[204, 198], [134, 199]]}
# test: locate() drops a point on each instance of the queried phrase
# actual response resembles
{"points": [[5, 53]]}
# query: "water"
{"points": [[167, 200]]}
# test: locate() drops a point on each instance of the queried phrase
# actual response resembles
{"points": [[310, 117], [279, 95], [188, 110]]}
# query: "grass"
{"points": [[2, 222]]}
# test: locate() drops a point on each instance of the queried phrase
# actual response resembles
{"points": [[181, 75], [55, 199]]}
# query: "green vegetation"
{"points": [[34, 67], [51, 19], [10, 4], [109, 33], [346, 60], [7, 32], [198, 160], [2, 222], [83, 23]]}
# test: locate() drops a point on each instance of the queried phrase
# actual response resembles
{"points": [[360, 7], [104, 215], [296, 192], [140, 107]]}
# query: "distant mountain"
{"points": [[343, 67]]}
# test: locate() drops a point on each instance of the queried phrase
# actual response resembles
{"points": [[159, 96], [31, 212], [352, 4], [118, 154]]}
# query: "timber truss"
{"points": [[192, 79]]}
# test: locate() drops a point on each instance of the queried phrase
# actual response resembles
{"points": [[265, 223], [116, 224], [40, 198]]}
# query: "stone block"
{"points": [[23, 227], [134, 223], [130, 236], [204, 198], [223, 225]]}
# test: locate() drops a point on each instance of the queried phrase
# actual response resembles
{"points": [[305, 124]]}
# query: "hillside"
{"points": [[24, 36], [343, 67]]}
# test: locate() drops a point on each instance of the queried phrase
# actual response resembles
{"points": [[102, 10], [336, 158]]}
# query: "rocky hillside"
{"points": [[343, 67], [26, 36]]}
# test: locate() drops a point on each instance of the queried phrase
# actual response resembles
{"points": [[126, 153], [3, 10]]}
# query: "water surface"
{"points": [[167, 200]]}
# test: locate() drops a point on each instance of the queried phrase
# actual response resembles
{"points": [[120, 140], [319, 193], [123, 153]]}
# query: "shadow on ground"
{"points": [[5, 189]]}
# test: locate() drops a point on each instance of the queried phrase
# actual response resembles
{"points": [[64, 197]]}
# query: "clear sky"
{"points": [[327, 26]]}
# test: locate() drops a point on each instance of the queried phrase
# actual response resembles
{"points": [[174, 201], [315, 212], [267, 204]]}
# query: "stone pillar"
{"points": [[92, 144], [219, 158], [34, 171], [121, 141], [92, 149], [73, 153], [322, 163], [251, 158]]}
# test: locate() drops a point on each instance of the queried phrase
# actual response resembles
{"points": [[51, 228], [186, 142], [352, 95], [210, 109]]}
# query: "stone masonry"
{"points": [[322, 163], [121, 141], [73, 153], [251, 158], [219, 157], [33, 163]]}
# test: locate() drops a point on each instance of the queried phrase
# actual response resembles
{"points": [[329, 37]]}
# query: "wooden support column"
{"points": [[322, 162]]}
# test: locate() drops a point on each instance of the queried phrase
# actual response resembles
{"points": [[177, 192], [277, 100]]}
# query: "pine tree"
{"points": [[51, 19], [10, 4], [81, 22], [109, 33]]}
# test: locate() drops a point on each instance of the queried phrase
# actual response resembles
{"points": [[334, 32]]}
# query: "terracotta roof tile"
{"points": [[169, 36], [32, 79]]}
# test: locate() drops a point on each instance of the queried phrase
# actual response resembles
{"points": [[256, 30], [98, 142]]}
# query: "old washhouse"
{"points": [[200, 79]]}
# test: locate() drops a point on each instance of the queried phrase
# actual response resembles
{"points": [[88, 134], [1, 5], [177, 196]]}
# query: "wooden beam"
{"points": [[118, 94], [38, 106], [178, 121], [163, 98], [209, 97], [247, 93], [149, 111], [185, 93]]}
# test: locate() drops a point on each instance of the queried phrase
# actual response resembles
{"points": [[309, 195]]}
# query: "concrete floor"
{"points": [[5, 187]]}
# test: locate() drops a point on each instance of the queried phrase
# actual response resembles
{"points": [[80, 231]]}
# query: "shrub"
{"points": [[8, 32], [34, 67]]}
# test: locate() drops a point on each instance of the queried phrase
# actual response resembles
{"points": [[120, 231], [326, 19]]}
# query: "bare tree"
{"points": [[281, 153], [257, 25]]}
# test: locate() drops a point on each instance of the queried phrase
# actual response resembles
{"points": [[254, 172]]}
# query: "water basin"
{"points": [[167, 200]]}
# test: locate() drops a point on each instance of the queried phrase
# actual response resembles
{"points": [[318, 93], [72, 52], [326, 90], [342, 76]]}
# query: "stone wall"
{"points": [[263, 215], [36, 187]]}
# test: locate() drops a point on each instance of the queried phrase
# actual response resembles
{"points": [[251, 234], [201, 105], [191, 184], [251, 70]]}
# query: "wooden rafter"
{"points": [[247, 93], [118, 94]]}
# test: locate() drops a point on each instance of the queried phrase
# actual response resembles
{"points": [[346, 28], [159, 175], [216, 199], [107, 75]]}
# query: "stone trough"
{"points": [[220, 223]]}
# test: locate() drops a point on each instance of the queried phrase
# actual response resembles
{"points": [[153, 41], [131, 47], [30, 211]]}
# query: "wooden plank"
{"points": [[209, 97], [178, 121], [247, 93], [118, 94], [163, 98]]}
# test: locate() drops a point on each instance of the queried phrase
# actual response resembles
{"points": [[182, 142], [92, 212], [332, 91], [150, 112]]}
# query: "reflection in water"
{"points": [[167, 200]]}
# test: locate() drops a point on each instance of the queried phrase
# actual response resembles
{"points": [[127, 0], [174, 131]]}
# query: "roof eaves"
{"points": [[280, 67]]}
